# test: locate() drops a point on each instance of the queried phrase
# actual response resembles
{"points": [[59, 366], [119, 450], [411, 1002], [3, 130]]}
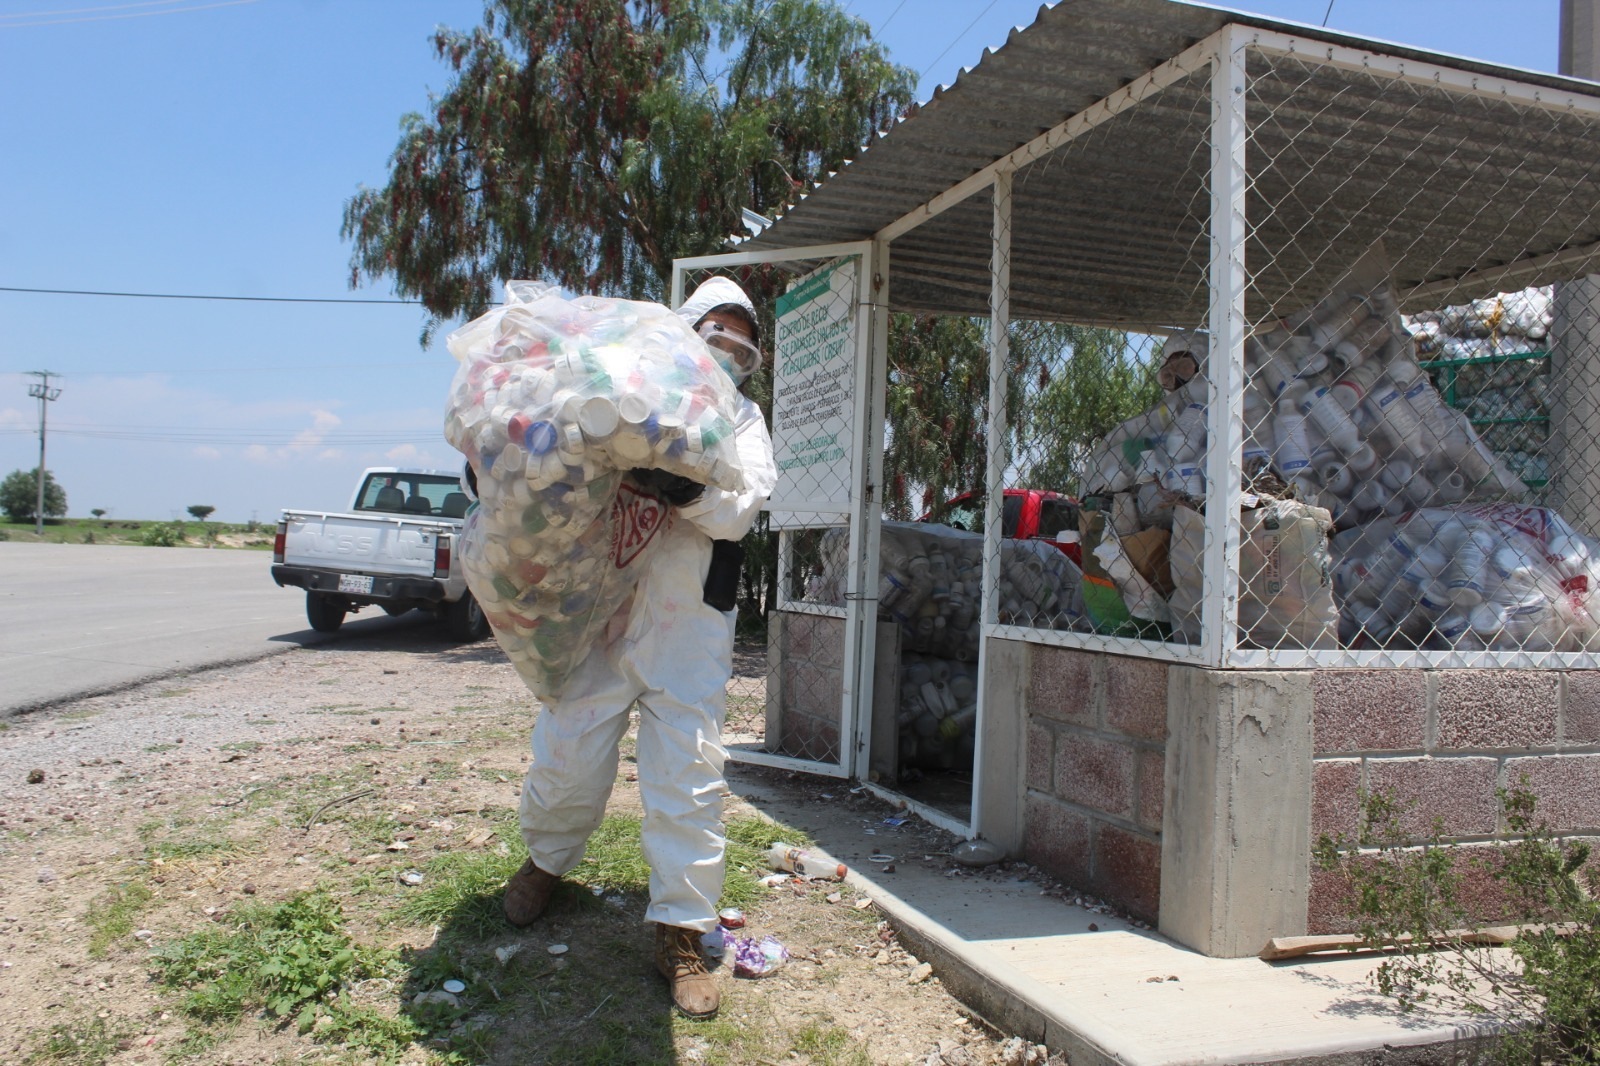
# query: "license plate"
{"points": [[357, 583]]}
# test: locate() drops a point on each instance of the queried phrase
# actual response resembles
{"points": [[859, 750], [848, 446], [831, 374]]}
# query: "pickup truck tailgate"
{"points": [[358, 543]]}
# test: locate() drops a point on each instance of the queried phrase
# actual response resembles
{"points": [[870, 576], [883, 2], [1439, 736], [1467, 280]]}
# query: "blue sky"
{"points": [[208, 146]]}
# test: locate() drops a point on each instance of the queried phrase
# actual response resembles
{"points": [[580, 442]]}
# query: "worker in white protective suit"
{"points": [[673, 659]]}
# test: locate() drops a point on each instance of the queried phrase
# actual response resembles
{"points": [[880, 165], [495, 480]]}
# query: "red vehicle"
{"points": [[1026, 514]]}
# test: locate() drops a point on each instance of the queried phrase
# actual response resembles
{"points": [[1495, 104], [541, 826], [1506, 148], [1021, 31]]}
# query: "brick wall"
{"points": [[805, 655], [1441, 742], [1096, 757]]}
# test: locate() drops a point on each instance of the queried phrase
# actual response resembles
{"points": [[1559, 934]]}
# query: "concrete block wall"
{"points": [[1441, 742], [1095, 757], [805, 686]]}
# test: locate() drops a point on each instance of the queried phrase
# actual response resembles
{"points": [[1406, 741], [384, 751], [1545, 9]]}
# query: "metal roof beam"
{"points": [[1190, 61]]}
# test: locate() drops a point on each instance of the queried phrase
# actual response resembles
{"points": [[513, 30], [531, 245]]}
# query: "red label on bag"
{"points": [[636, 517]]}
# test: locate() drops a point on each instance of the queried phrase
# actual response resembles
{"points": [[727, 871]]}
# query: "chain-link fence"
{"points": [[786, 695], [1305, 416], [1426, 436]]}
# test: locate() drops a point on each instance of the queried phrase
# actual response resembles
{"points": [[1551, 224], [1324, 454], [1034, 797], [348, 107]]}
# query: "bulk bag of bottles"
{"points": [[555, 398]]}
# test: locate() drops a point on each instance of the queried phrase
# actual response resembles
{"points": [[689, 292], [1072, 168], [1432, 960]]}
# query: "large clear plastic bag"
{"points": [[1486, 576], [556, 397]]}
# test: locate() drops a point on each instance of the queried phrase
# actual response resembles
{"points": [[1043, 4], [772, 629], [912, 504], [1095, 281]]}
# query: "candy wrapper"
{"points": [[757, 958], [555, 397]]}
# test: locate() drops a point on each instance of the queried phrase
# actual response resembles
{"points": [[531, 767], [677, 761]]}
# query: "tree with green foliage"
{"points": [[201, 511], [1068, 387], [98, 512], [591, 142], [1093, 382], [19, 496]]}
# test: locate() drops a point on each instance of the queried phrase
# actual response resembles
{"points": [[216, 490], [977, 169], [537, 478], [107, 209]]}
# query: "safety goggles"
{"points": [[739, 357]]}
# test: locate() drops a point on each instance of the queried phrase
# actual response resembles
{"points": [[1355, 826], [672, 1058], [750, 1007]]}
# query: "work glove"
{"points": [[674, 488]]}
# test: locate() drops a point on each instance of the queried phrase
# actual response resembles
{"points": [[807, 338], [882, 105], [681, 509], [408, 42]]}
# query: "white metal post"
{"points": [[1219, 610], [874, 324], [994, 482]]}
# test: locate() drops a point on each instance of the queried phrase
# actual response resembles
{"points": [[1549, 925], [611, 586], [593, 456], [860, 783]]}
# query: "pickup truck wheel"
{"points": [[324, 612], [465, 619]]}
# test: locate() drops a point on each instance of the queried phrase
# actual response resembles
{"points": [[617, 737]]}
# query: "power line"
{"points": [[885, 24], [192, 296], [1328, 13], [241, 438], [957, 39], [89, 10], [108, 18], [320, 368]]}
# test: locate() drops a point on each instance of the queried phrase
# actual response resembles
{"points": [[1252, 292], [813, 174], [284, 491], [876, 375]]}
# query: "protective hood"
{"points": [[713, 293]]}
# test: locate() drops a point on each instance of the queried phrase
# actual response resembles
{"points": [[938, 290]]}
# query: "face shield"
{"points": [[737, 355]]}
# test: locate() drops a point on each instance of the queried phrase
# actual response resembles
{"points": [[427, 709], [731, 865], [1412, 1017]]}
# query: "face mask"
{"points": [[738, 356]]}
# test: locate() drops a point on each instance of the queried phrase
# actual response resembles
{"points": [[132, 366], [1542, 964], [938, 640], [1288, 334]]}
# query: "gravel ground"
{"points": [[132, 821]]}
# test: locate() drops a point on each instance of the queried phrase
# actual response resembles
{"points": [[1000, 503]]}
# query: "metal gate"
{"points": [[805, 703]]}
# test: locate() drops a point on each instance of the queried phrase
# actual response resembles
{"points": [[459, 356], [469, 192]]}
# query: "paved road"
{"points": [[77, 619]]}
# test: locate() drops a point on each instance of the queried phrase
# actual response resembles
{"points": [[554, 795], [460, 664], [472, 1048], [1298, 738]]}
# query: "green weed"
{"points": [[287, 958], [112, 913], [87, 1042], [157, 749]]}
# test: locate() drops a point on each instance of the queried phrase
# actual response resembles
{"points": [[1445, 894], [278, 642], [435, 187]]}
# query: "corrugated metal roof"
{"points": [[1111, 228]]}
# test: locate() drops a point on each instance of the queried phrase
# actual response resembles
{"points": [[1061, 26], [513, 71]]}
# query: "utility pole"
{"points": [[44, 393]]}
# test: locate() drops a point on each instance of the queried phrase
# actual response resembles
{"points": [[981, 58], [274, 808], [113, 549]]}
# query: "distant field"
{"points": [[188, 533]]}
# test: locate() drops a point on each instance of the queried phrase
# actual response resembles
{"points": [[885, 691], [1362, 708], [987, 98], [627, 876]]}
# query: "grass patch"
{"points": [[242, 745], [289, 959], [79, 715], [260, 721], [167, 693], [463, 887], [86, 1042], [112, 913], [829, 1045], [365, 745], [157, 749], [189, 848]]}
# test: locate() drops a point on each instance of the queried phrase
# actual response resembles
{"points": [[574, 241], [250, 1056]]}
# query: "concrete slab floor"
{"points": [[1091, 984]]}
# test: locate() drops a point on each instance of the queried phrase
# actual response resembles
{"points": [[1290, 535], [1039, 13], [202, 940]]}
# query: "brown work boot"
{"points": [[694, 991], [527, 893]]}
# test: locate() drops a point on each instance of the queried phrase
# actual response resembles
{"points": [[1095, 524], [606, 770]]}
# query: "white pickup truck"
{"points": [[393, 549]]}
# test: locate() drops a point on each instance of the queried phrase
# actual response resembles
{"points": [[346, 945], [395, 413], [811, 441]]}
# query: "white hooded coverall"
{"points": [[674, 659]]}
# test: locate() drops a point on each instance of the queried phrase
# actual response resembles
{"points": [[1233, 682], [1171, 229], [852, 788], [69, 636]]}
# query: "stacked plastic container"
{"points": [[930, 581], [555, 397]]}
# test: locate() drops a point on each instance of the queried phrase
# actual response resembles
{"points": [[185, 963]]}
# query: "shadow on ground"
{"points": [[599, 1001], [376, 631]]}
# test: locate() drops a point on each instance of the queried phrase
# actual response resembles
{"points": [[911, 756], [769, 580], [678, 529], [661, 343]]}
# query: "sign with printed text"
{"points": [[813, 397]]}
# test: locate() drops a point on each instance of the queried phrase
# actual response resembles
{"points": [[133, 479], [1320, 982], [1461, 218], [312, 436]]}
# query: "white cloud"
{"points": [[205, 451]]}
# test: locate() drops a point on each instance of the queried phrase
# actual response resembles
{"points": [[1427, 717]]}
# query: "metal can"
{"points": [[731, 918]]}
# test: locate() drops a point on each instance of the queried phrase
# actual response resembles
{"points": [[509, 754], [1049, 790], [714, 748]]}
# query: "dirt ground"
{"points": [[129, 823]]}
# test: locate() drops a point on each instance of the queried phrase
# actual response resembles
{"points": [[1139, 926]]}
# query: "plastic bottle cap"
{"points": [[539, 438], [633, 408], [597, 417]]}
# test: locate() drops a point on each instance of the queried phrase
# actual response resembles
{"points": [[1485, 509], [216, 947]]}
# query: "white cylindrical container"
{"points": [[1334, 421], [1291, 448]]}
